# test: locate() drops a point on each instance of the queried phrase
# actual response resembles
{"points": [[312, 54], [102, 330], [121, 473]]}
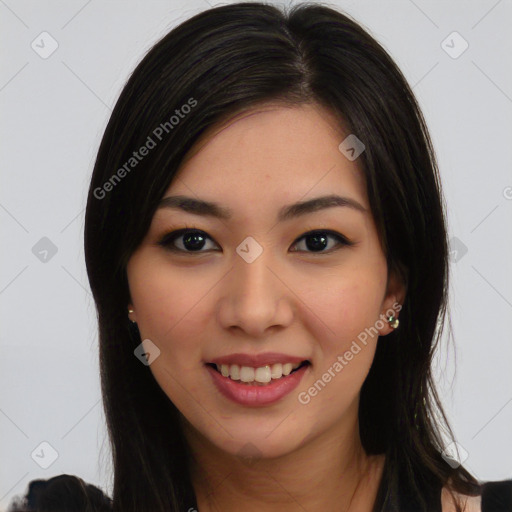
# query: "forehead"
{"points": [[272, 152]]}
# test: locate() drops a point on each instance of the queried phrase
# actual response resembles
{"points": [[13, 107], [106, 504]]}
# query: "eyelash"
{"points": [[168, 238]]}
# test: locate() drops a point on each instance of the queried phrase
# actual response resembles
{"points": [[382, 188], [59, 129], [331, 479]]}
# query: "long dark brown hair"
{"points": [[230, 59]]}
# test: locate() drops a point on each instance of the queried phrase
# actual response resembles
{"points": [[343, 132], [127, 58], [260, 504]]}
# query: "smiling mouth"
{"points": [[260, 376]]}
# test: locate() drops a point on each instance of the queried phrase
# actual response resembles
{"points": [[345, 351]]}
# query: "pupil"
{"points": [[191, 238], [316, 244]]}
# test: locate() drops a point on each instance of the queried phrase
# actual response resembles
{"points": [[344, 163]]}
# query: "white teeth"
{"points": [[246, 374], [276, 371], [287, 368], [262, 374], [234, 372]]}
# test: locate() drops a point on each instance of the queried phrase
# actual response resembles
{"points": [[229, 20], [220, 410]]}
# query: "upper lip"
{"points": [[257, 360]]}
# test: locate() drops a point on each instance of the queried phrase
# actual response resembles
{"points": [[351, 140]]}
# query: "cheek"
{"points": [[170, 308], [168, 300], [344, 304], [345, 345]]}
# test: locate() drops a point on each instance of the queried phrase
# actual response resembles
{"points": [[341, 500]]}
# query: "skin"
{"points": [[467, 503], [307, 303]]}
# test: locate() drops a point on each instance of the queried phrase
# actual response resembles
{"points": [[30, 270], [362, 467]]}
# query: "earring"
{"points": [[393, 322], [131, 311]]}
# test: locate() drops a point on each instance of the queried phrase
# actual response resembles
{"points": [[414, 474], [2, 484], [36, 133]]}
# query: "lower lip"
{"points": [[245, 394]]}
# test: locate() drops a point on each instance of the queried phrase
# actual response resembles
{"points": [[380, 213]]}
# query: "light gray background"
{"points": [[54, 111]]}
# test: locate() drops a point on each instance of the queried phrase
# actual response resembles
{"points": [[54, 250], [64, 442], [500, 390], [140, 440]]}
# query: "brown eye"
{"points": [[191, 241], [185, 240], [317, 241]]}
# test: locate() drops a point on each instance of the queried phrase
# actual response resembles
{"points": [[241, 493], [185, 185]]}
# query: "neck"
{"points": [[326, 473]]}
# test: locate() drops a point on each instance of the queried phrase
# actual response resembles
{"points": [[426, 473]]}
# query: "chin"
{"points": [[252, 450], [249, 440]]}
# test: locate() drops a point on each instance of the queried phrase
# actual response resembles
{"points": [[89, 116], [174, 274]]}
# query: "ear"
{"points": [[396, 290]]}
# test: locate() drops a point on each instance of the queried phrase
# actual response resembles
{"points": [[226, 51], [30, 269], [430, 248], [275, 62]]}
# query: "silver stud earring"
{"points": [[393, 322], [131, 311]]}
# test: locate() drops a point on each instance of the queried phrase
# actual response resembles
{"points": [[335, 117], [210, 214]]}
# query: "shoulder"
{"points": [[495, 497], [69, 492], [467, 503]]}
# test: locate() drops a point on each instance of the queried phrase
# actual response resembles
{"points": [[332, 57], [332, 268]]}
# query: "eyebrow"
{"points": [[211, 209]]}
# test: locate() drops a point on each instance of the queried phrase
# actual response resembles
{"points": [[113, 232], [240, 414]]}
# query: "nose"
{"points": [[254, 298]]}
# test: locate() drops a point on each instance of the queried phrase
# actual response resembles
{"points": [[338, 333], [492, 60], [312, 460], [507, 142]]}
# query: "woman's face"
{"points": [[252, 291]]}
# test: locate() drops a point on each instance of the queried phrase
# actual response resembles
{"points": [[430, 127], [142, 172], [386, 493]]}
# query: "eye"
{"points": [[188, 240], [192, 240], [318, 240]]}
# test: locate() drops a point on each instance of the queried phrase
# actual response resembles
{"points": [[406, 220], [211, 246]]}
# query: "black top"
{"points": [[72, 494], [497, 496]]}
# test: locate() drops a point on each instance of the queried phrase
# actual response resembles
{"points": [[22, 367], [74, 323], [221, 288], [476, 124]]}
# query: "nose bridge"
{"points": [[254, 292], [252, 279]]}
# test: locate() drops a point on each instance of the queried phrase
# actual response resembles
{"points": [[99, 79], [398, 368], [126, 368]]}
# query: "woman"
{"points": [[266, 244]]}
